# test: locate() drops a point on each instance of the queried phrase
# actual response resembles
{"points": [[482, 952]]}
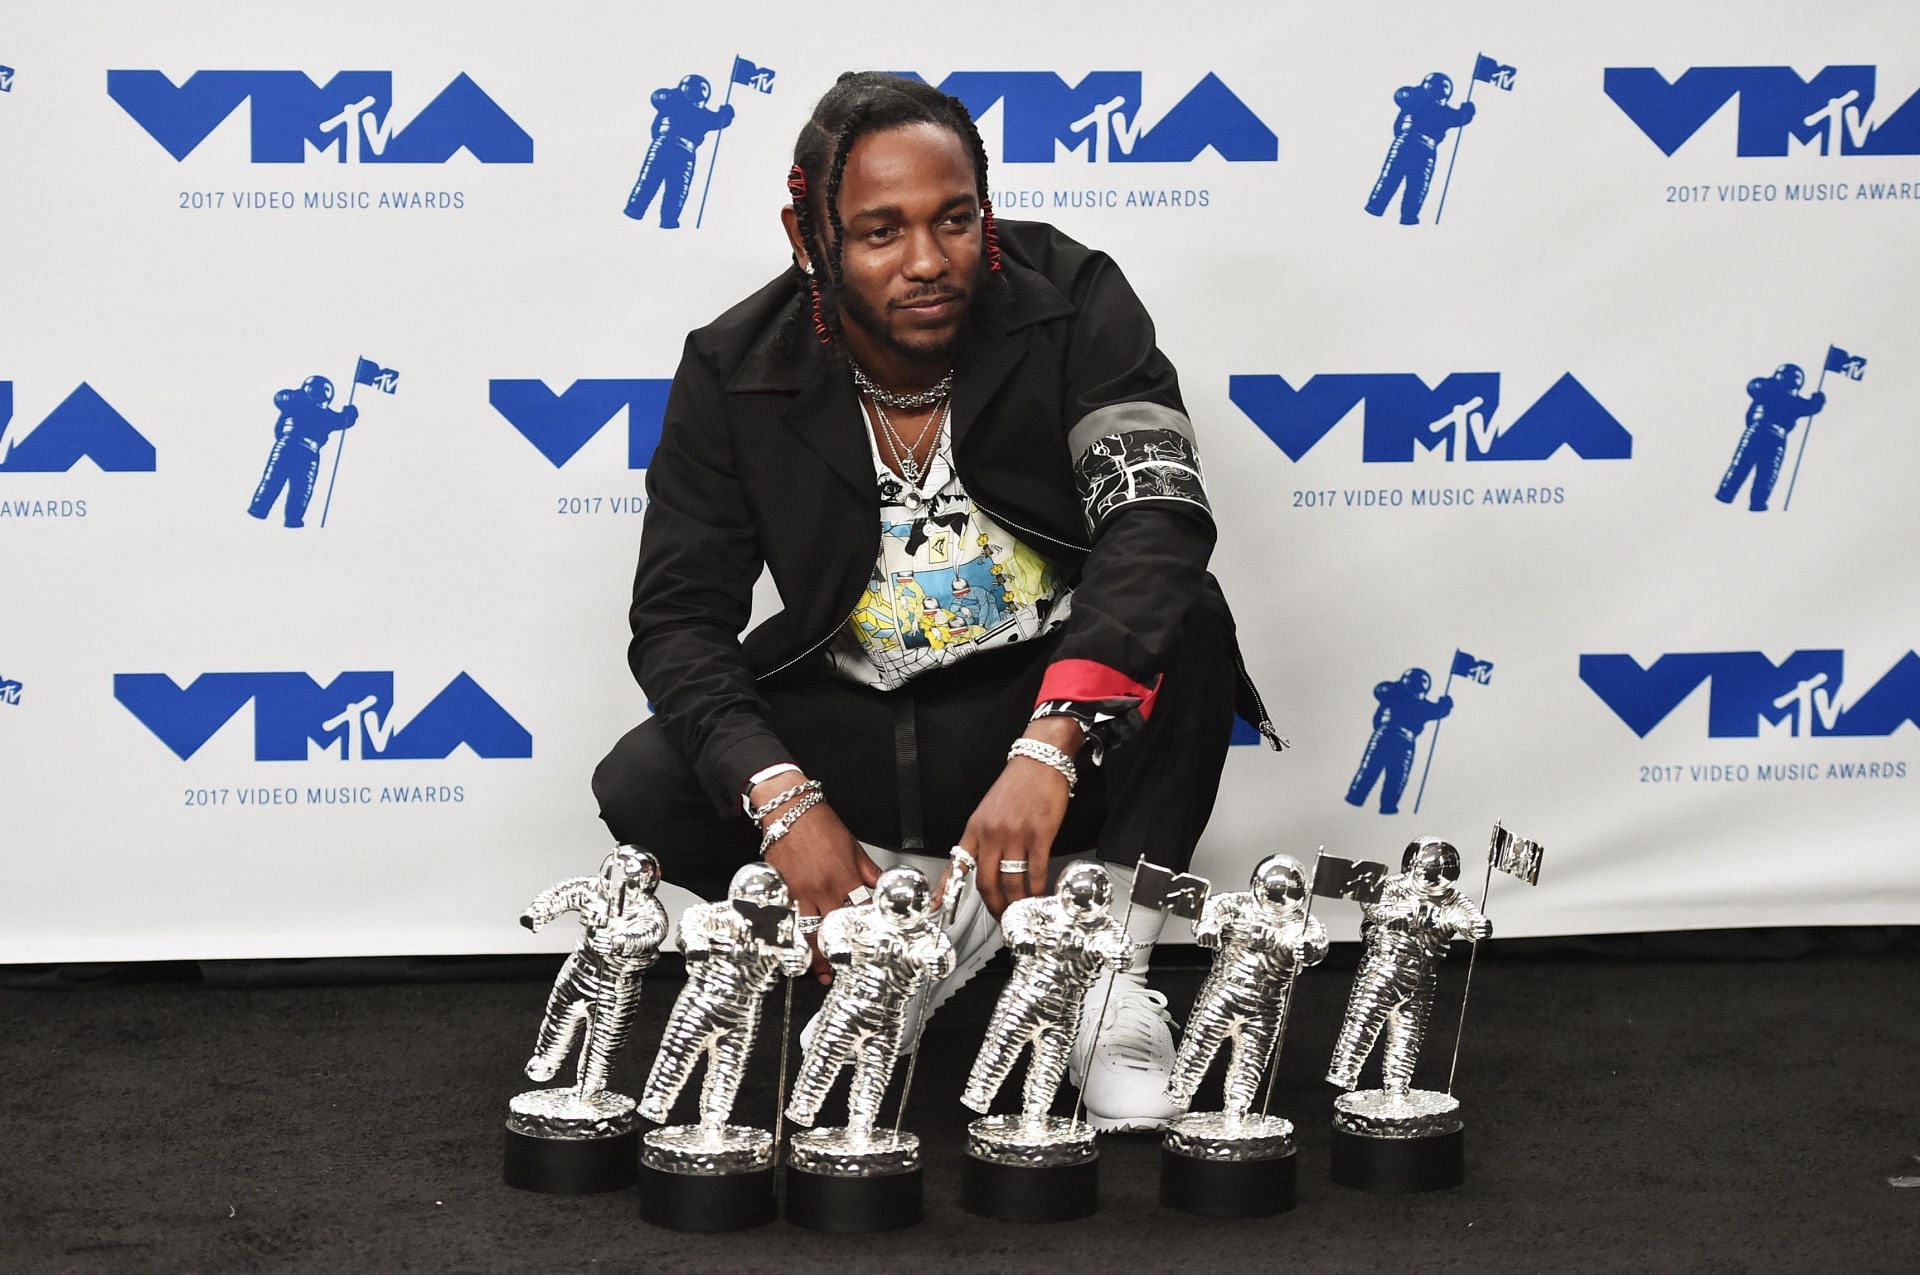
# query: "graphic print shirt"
{"points": [[947, 581]]}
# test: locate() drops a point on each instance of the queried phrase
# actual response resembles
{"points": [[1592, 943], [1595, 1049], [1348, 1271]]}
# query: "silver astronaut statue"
{"points": [[883, 952], [736, 950], [1061, 943], [1262, 937], [1406, 931], [595, 995]]}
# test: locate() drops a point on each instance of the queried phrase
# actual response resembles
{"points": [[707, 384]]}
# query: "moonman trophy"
{"points": [[717, 1176], [1397, 1138], [864, 1177], [1236, 1162], [582, 1138], [1034, 1166]]}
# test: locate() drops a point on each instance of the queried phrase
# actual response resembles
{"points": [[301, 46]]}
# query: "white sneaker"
{"points": [[976, 937], [1124, 1083]]}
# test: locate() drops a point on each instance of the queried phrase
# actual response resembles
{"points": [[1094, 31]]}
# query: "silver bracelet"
{"points": [[784, 824], [779, 799], [1047, 755]]}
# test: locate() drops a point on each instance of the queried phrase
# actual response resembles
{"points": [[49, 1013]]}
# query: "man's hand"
{"points": [[1020, 816], [820, 860]]}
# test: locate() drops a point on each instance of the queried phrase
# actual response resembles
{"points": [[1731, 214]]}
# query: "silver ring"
{"points": [[858, 895], [808, 924], [1011, 866]]}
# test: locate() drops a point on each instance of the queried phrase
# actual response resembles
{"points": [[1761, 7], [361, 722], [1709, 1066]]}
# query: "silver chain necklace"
{"points": [[899, 402], [903, 458]]}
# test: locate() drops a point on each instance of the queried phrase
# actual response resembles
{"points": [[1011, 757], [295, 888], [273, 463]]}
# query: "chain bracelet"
{"points": [[1047, 755], [784, 824], [779, 799]]}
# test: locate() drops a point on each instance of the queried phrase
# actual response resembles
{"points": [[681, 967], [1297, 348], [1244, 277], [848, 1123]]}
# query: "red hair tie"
{"points": [[797, 184]]}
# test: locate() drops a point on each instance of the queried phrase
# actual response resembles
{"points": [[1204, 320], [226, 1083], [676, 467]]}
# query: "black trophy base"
{"points": [[1018, 1193], [1399, 1166], [855, 1206], [706, 1202], [572, 1166], [1227, 1188]]}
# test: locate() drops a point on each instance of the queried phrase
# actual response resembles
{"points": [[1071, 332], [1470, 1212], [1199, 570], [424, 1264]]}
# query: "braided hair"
{"points": [[862, 102]]}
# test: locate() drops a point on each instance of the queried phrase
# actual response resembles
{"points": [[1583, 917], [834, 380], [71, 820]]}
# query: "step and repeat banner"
{"points": [[1552, 370]]}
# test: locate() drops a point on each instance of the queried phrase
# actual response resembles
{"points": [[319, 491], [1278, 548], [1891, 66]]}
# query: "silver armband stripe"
{"points": [[1124, 418]]}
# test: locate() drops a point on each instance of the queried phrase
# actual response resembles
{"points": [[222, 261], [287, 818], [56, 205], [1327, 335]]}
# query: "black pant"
{"points": [[910, 765]]}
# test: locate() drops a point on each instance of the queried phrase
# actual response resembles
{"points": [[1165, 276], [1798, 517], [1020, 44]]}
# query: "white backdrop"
{"points": [[1571, 243]]}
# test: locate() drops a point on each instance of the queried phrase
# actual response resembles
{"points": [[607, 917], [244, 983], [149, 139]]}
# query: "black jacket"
{"points": [[1067, 428]]}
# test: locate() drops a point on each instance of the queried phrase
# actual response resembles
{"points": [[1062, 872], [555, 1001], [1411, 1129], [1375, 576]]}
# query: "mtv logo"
{"points": [[83, 425], [387, 382], [292, 713], [6, 79], [1041, 115], [10, 691], [1779, 112], [1405, 417], [348, 118], [1801, 694], [1176, 893], [559, 425]]}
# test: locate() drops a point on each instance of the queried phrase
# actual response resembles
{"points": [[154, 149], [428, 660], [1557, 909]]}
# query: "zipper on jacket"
{"points": [[1041, 535], [1265, 724], [803, 655]]}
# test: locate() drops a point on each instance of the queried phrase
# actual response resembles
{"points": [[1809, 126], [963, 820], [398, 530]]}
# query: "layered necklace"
{"points": [[902, 455]]}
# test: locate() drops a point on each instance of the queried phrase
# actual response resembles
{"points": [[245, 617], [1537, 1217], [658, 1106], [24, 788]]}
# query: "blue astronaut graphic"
{"points": [[302, 429], [1425, 116], [681, 122], [1776, 408], [1404, 712]]}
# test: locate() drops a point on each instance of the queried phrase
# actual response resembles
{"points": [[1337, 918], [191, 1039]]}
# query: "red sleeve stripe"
{"points": [[1089, 680]]}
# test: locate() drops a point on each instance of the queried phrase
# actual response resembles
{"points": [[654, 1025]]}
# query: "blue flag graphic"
{"points": [[757, 77], [1851, 366], [384, 379], [1465, 665], [1488, 71]]}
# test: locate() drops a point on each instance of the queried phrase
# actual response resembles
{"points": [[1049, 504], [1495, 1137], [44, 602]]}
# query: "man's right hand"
{"points": [[820, 860]]}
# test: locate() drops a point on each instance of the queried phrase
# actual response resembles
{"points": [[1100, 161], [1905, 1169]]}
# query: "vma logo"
{"points": [[559, 425], [349, 119], [1779, 113], [1404, 418], [1043, 116], [1801, 696], [84, 425], [292, 713]]}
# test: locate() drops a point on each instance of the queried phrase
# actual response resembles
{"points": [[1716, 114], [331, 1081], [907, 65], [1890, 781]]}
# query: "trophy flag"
{"points": [[1486, 70], [754, 77], [1471, 668], [365, 372], [1851, 366], [1162, 889], [1356, 879], [1515, 856]]}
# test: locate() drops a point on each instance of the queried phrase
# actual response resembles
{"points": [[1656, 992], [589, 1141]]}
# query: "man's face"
{"points": [[911, 261]]}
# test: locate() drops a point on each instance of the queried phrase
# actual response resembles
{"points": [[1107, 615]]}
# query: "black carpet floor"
{"points": [[1623, 1115]]}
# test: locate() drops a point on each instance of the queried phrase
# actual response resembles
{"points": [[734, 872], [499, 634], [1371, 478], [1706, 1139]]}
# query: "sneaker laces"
{"points": [[1134, 1025]]}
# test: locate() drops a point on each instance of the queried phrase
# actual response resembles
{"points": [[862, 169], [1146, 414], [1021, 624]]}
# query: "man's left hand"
{"points": [[1019, 818]]}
